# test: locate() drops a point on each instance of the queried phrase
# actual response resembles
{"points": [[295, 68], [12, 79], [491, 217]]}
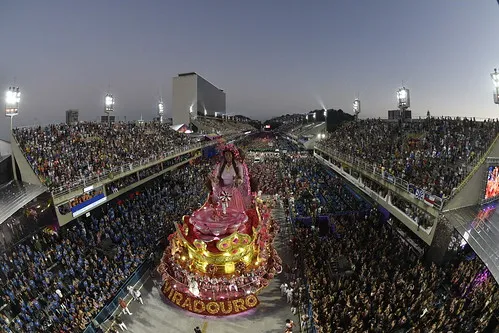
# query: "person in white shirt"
{"points": [[284, 286], [137, 296], [289, 295]]}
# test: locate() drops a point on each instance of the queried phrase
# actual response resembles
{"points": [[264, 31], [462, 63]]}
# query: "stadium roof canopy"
{"points": [[479, 226], [14, 195]]}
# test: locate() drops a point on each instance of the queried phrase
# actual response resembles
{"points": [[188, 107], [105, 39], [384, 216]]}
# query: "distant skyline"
{"points": [[270, 57]]}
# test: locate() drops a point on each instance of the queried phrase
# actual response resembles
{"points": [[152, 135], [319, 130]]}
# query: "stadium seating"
{"points": [[63, 154], [434, 154], [222, 127]]}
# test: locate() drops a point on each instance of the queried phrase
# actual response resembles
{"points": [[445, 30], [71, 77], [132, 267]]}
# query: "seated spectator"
{"points": [[433, 154], [62, 154]]}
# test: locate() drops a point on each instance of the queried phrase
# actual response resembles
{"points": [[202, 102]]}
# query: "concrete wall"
{"points": [[5, 148], [184, 97], [424, 234], [473, 191], [209, 97], [27, 173]]}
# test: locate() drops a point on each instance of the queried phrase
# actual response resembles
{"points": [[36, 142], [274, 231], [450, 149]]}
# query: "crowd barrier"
{"points": [[111, 306]]}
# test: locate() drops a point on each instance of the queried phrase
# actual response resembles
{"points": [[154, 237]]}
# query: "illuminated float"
{"points": [[222, 255]]}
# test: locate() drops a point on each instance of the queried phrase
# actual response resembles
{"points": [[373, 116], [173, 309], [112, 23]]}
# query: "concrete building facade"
{"points": [[72, 116], [193, 95]]}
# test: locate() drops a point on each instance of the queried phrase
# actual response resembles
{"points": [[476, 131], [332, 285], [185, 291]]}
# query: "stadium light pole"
{"points": [[356, 108], [12, 100], [109, 106], [161, 110], [495, 79], [404, 101]]}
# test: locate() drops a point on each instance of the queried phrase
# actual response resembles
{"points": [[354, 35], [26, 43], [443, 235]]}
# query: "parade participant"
{"points": [[229, 180]]}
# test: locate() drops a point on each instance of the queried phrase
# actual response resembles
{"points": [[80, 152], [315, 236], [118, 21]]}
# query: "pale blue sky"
{"points": [[270, 56]]}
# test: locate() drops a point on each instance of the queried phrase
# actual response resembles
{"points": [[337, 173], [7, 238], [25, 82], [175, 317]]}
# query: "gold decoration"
{"points": [[234, 241], [200, 245]]}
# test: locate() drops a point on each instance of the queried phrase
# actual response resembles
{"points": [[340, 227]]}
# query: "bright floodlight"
{"points": [[109, 103], [161, 108], [356, 106], [109, 100], [12, 99], [402, 94], [403, 98]]}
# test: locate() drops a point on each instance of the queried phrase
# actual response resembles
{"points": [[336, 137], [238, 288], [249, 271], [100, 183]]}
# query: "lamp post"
{"points": [[404, 101], [495, 79], [356, 108], [109, 106], [161, 110], [12, 100]]}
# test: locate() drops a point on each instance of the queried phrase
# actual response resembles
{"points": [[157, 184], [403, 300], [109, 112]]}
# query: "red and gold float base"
{"points": [[209, 307]]}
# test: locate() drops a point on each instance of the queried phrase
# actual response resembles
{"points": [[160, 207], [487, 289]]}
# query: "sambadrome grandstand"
{"points": [[91, 203]]}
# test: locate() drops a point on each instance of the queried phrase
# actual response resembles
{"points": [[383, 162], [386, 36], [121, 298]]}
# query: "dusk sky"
{"points": [[271, 57]]}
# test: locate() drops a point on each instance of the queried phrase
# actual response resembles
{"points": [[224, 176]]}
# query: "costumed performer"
{"points": [[230, 177]]}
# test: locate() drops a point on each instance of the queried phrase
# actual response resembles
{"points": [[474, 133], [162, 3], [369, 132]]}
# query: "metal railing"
{"points": [[108, 310], [117, 171], [380, 173], [472, 168]]}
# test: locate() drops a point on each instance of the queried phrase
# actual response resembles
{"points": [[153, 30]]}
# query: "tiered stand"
{"points": [[218, 260]]}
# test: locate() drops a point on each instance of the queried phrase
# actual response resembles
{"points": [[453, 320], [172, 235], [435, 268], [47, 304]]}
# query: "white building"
{"points": [[193, 95]]}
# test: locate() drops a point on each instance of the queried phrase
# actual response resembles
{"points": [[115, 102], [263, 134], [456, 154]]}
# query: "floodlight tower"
{"points": [[12, 100], [356, 108], [161, 110], [404, 101], [109, 106], [495, 79]]}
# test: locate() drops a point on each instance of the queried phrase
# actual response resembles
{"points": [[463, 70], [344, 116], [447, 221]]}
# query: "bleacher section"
{"points": [[67, 156], [210, 125], [435, 159], [74, 161]]}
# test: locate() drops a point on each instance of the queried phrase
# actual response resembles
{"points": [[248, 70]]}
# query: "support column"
{"points": [[441, 240], [11, 149]]}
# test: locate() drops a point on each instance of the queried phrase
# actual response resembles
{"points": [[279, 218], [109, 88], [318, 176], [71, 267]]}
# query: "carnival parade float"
{"points": [[220, 257]]}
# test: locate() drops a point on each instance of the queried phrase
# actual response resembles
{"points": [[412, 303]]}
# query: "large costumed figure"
{"points": [[230, 181]]}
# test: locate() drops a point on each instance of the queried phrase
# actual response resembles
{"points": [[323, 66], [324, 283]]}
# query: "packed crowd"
{"points": [[364, 277], [434, 154], [420, 217], [267, 142], [63, 154], [222, 127], [384, 292], [319, 191], [59, 282]]}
